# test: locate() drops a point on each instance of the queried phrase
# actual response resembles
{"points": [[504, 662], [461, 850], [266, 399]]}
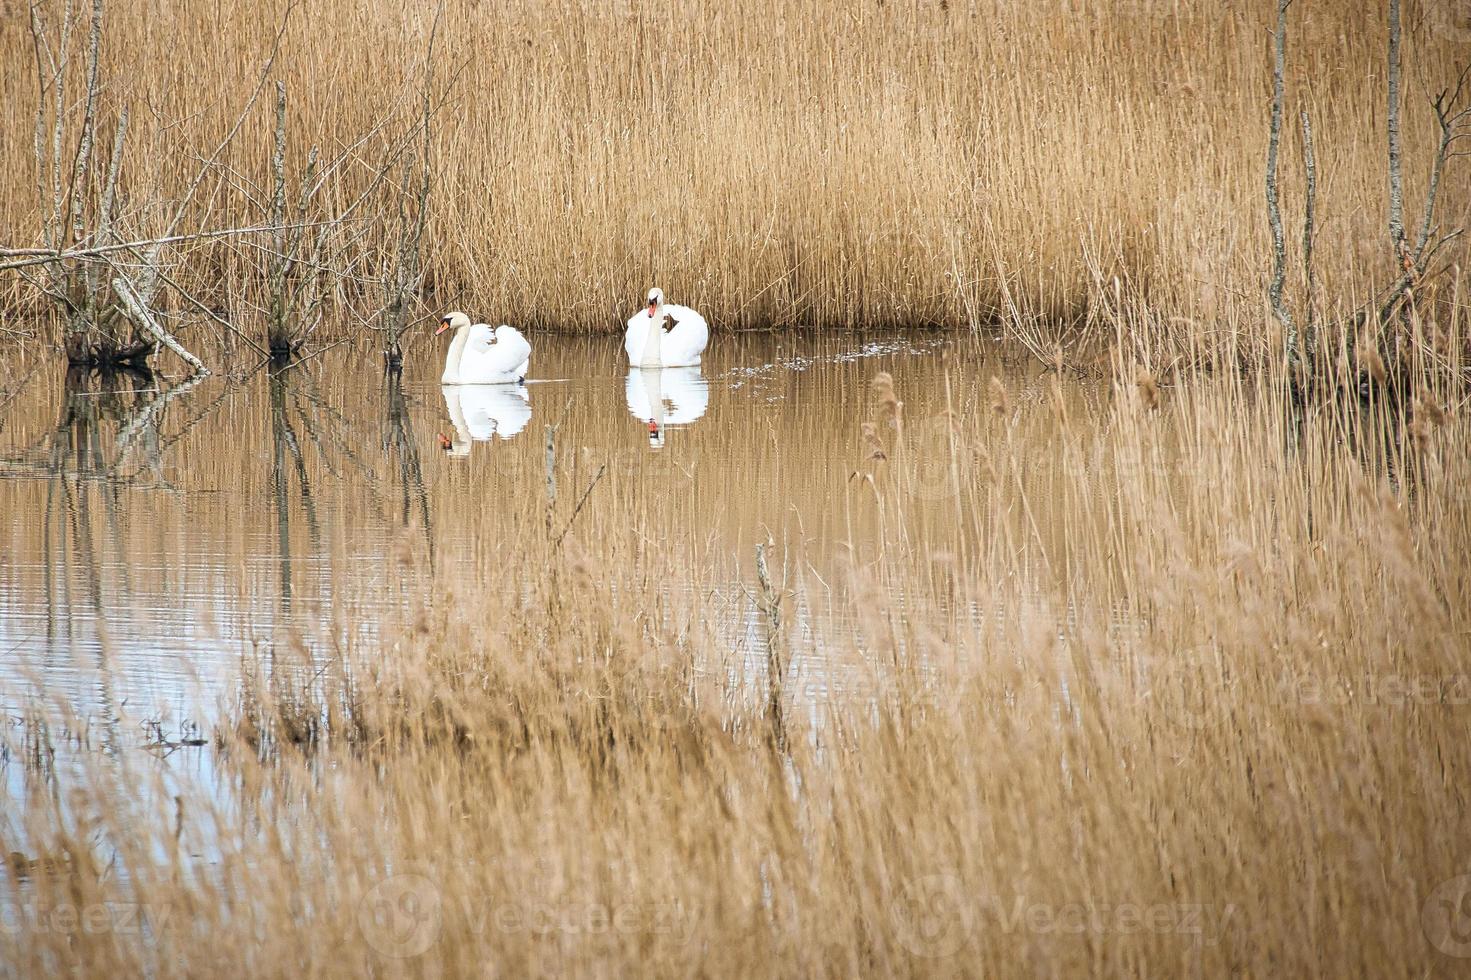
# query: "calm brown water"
{"points": [[152, 535]]}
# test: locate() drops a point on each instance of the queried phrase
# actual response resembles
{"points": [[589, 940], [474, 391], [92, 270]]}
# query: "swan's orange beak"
{"points": [[443, 326], [653, 427], [444, 442], [651, 310]]}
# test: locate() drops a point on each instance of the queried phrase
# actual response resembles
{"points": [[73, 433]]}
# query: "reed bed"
{"points": [[1187, 733], [902, 163], [1165, 677]]}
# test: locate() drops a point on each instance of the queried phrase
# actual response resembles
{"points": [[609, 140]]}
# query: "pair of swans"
{"points": [[659, 336]]}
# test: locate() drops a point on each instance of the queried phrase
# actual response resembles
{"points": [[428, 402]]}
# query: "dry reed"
{"points": [[910, 163], [1103, 712], [1182, 694]]}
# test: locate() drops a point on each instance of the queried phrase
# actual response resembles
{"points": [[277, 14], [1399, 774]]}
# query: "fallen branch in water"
{"points": [[776, 668], [140, 315]]}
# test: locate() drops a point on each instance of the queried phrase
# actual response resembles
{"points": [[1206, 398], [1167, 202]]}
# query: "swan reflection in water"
{"points": [[668, 396], [480, 413]]}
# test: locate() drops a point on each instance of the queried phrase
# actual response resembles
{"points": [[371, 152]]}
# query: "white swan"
{"points": [[649, 345], [480, 413], [666, 396], [480, 356]]}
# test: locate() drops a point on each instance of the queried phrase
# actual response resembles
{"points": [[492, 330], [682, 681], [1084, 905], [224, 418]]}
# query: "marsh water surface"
{"points": [[153, 534]]}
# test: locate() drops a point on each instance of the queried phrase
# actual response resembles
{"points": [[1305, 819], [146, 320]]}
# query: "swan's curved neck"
{"points": [[452, 359], [654, 339]]}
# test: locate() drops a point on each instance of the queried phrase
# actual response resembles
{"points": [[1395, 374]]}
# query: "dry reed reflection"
{"points": [[918, 657]]}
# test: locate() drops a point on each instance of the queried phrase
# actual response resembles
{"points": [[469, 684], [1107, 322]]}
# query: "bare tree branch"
{"points": [[40, 256]]}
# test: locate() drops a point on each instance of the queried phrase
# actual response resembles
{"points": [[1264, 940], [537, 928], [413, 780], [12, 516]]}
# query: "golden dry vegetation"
{"points": [[1101, 711], [879, 163], [1167, 680]]}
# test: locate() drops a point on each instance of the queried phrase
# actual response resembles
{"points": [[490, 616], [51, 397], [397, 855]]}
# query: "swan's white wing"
{"points": [[687, 392], [494, 358], [480, 336], [684, 344], [495, 410], [513, 347], [683, 314]]}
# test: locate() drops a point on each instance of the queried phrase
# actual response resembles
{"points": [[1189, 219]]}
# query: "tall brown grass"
{"points": [[904, 163], [1168, 681], [1184, 693]]}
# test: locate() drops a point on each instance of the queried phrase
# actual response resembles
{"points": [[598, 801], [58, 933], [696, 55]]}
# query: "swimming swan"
{"points": [[649, 345], [480, 356]]}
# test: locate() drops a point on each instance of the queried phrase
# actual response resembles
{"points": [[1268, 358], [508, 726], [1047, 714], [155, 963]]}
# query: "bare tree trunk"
{"points": [[1396, 182], [1274, 209], [407, 276], [1449, 119], [1309, 220], [277, 338]]}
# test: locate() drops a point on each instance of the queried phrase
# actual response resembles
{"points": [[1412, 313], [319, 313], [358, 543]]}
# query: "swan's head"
{"points": [[656, 300], [452, 321]]}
